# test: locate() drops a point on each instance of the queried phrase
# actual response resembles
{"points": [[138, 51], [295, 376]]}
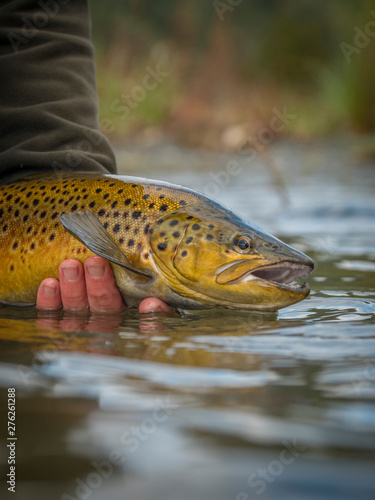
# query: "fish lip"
{"points": [[283, 274]]}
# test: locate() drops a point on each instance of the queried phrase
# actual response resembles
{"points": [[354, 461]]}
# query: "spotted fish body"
{"points": [[163, 240]]}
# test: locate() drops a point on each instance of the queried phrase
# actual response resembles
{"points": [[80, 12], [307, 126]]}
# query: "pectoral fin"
{"points": [[87, 228]]}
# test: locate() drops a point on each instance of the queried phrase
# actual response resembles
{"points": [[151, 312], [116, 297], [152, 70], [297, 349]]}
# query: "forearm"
{"points": [[48, 100]]}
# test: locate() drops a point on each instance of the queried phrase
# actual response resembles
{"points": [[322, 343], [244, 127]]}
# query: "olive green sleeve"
{"points": [[48, 97]]}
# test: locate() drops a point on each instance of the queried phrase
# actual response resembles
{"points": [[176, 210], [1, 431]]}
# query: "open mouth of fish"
{"points": [[283, 275]]}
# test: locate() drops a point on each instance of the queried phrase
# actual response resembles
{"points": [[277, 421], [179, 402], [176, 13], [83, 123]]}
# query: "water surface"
{"points": [[214, 404]]}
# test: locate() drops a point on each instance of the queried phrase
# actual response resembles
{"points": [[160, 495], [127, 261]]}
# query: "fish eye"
{"points": [[242, 244]]}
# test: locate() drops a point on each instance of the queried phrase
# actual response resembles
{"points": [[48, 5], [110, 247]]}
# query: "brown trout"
{"points": [[162, 240]]}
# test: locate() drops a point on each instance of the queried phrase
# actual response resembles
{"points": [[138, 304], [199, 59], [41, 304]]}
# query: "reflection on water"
{"points": [[212, 404]]}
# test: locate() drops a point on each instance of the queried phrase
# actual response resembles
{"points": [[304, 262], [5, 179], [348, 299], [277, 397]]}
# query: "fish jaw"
{"points": [[269, 287]]}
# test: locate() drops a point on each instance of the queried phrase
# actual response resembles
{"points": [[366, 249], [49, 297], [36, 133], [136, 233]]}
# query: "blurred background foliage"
{"points": [[229, 67]]}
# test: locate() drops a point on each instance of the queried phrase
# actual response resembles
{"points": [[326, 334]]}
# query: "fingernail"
{"points": [[96, 270], [49, 290], [70, 273]]}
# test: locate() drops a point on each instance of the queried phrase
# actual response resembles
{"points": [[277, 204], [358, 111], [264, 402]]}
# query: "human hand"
{"points": [[89, 287]]}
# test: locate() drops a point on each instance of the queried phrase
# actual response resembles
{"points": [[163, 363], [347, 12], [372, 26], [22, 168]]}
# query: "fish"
{"points": [[162, 240]]}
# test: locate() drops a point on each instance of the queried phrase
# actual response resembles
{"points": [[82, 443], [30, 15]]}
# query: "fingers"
{"points": [[73, 286], [49, 297], [153, 304], [91, 287], [102, 292]]}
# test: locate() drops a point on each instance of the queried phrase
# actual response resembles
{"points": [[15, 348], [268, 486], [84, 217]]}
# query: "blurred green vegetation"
{"points": [[230, 66]]}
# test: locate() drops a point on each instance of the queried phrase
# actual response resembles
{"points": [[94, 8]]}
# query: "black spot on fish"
{"points": [[46, 199], [189, 240], [114, 204], [75, 190], [9, 197], [211, 226], [127, 228], [32, 246], [176, 234], [151, 205], [52, 237], [209, 237], [120, 191], [121, 241], [136, 215], [101, 212], [182, 203], [29, 229], [162, 196], [128, 201], [43, 214], [105, 225], [195, 227], [134, 185], [189, 217], [173, 222], [125, 214], [106, 196], [25, 218], [54, 215], [162, 246], [163, 208], [74, 208], [1, 212], [29, 194], [12, 267], [158, 189], [116, 214], [146, 228], [92, 204], [184, 253], [111, 185], [16, 213], [15, 245], [136, 230], [44, 230], [26, 205], [146, 256], [36, 211], [86, 196], [17, 200], [130, 243], [139, 246], [99, 190], [162, 234], [5, 228], [145, 196], [84, 189], [116, 228]]}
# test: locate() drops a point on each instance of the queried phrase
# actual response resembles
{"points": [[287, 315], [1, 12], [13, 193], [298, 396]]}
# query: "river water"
{"points": [[214, 404]]}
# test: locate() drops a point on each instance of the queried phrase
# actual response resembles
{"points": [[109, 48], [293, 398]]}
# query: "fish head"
{"points": [[214, 257]]}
